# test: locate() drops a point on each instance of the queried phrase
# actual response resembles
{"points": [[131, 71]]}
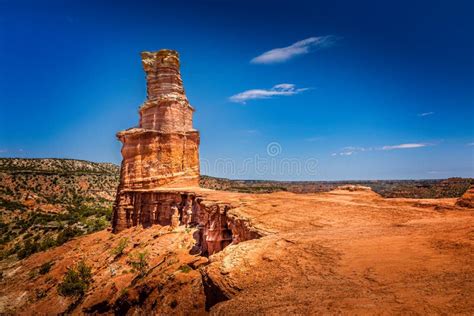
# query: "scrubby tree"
{"points": [[139, 262], [76, 281], [118, 251]]}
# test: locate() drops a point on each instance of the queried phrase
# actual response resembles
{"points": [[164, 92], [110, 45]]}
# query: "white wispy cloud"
{"points": [[405, 146], [282, 89], [279, 55], [436, 172], [425, 114], [470, 144], [346, 153], [350, 150], [356, 148]]}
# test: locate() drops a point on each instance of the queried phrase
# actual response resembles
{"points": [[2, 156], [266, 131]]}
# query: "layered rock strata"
{"points": [[216, 227], [163, 151], [159, 176]]}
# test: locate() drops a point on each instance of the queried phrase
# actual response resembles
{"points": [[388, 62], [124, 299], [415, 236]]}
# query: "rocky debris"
{"points": [[467, 199]]}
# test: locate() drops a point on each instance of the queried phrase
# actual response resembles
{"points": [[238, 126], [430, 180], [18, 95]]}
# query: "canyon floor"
{"points": [[338, 252]]}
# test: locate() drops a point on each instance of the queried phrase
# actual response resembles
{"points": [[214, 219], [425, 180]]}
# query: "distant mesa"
{"points": [[467, 199], [353, 187]]}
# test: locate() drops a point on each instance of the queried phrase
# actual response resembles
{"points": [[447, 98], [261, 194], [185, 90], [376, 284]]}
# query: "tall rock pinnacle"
{"points": [[162, 74], [167, 109], [163, 151]]}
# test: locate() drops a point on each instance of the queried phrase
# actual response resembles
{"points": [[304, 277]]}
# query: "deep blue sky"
{"points": [[400, 72]]}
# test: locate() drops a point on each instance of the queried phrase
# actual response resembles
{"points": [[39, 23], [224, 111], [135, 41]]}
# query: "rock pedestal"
{"points": [[163, 151], [159, 177]]}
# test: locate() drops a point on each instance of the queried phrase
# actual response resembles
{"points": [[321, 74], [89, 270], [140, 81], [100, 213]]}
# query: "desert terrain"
{"points": [[154, 237], [347, 251]]}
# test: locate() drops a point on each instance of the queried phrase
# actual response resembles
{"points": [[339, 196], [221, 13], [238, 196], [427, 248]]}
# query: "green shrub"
{"points": [[47, 242], [96, 223], [28, 249], [11, 205], [45, 267], [76, 281], [118, 251], [32, 274], [139, 263], [67, 235], [185, 268]]}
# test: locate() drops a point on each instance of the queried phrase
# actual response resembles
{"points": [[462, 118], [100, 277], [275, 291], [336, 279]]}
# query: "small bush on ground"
{"points": [[118, 251], [47, 242], [185, 268], [45, 267], [67, 234], [76, 281], [139, 262], [28, 249], [11, 205]]}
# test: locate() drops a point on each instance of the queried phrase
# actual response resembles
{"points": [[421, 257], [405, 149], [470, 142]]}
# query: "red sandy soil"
{"points": [[341, 252]]}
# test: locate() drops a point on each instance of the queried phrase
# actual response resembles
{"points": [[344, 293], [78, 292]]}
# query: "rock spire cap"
{"points": [[162, 58], [162, 74]]}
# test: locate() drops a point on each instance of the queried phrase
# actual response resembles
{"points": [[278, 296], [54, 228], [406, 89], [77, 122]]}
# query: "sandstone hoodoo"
{"points": [[159, 177], [162, 152]]}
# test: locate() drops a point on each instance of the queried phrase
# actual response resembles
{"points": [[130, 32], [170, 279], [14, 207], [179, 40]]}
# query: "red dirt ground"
{"points": [[339, 252]]}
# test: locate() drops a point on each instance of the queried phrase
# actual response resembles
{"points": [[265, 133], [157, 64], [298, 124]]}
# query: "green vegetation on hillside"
{"points": [[76, 281], [444, 188], [47, 202]]}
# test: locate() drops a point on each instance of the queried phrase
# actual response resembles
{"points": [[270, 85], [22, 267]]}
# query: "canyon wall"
{"points": [[216, 227], [467, 199]]}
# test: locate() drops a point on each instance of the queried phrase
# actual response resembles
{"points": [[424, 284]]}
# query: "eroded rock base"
{"points": [[216, 227]]}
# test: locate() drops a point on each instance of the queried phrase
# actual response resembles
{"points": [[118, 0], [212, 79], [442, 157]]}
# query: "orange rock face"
{"points": [[467, 200], [164, 150]]}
